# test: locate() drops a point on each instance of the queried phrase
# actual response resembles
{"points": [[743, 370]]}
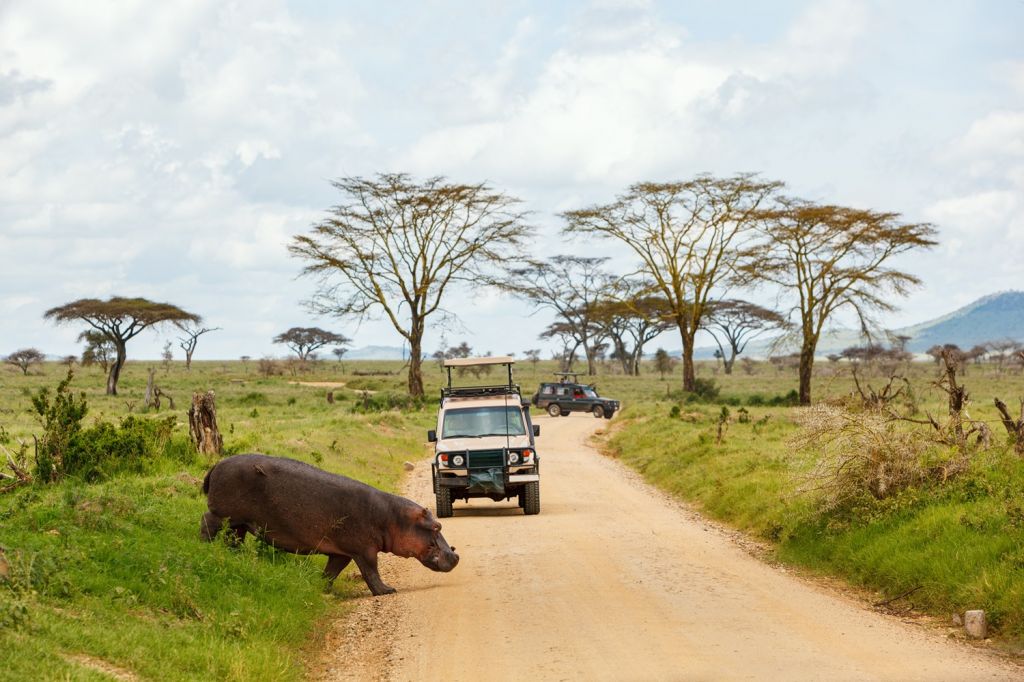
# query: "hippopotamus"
{"points": [[302, 509]]}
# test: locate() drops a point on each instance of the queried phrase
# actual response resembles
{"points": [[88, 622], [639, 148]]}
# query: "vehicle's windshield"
{"points": [[476, 422]]}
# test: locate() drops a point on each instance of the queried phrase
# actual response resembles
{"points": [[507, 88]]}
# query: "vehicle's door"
{"points": [[563, 396], [580, 401]]}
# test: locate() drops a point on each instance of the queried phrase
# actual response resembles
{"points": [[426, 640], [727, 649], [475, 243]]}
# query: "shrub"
{"points": [[61, 418], [706, 389], [859, 453], [253, 398], [106, 449], [382, 402]]}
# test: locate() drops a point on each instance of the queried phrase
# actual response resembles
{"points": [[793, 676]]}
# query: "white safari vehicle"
{"points": [[484, 442]]}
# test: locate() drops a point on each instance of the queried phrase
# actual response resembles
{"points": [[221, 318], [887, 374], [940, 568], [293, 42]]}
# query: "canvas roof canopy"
{"points": [[475, 362]]}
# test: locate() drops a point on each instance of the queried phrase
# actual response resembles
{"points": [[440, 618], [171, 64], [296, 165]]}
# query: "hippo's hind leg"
{"points": [[209, 526], [368, 567], [336, 563]]}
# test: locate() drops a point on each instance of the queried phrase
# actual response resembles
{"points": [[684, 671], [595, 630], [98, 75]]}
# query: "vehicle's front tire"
{"points": [[608, 414], [444, 502], [554, 409], [531, 498], [598, 411]]}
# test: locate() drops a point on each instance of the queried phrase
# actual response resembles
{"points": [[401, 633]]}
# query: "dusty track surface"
{"points": [[612, 581]]}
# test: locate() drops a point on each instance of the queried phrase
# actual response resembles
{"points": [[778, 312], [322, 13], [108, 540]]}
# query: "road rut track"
{"points": [[613, 581]]}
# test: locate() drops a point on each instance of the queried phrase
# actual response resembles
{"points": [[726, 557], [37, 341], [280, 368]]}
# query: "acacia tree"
{"points": [[119, 320], [99, 349], [568, 340], [690, 237], [631, 320], [189, 341], [395, 246], [305, 340], [571, 287], [733, 324], [830, 258], [25, 358], [663, 362]]}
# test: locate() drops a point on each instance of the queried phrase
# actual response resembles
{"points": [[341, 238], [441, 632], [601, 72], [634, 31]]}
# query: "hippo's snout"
{"points": [[441, 558], [442, 561]]}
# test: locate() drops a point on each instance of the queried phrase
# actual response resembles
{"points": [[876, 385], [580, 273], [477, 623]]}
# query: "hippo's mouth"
{"points": [[441, 561]]}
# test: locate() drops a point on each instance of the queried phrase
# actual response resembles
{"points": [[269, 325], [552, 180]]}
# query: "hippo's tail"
{"points": [[206, 480]]}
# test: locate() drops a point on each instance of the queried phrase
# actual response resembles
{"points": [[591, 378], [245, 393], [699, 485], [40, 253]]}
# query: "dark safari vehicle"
{"points": [[484, 442], [568, 395]]}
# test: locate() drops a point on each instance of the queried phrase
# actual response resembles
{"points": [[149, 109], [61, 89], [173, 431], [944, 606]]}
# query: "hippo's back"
{"points": [[253, 486]]}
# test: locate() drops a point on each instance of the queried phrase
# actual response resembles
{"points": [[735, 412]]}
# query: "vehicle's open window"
{"points": [[477, 422]]}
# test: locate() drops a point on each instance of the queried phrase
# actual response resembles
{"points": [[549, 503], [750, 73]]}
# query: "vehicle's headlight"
{"points": [[513, 458], [458, 460]]}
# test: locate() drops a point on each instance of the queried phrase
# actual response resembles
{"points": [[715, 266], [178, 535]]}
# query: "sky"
{"points": [[173, 150]]}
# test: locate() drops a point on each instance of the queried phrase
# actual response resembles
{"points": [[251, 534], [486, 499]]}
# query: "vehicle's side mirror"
{"points": [[536, 430], [431, 436]]}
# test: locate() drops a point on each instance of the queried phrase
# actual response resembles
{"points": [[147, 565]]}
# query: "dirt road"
{"points": [[614, 582]]}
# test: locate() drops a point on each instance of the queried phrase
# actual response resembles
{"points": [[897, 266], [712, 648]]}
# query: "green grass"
{"points": [[962, 542], [115, 570]]}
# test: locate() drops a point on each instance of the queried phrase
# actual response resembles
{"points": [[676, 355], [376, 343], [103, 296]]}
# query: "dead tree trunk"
{"points": [[154, 393], [151, 399], [202, 424], [1014, 427], [958, 397]]}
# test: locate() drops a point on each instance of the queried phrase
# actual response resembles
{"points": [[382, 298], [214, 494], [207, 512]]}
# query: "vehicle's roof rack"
{"points": [[564, 376], [477, 362], [479, 391], [466, 391]]}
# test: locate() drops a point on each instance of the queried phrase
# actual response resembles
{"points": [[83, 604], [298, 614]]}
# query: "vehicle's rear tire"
{"points": [[554, 409], [444, 502], [598, 411], [530, 498]]}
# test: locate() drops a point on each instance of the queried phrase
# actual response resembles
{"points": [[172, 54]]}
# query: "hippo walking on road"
{"points": [[301, 509]]}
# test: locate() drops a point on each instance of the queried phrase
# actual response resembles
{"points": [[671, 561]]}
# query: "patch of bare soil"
{"points": [[101, 666], [319, 384], [616, 581]]}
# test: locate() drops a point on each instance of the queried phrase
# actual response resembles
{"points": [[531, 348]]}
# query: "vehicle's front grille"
{"points": [[486, 458]]}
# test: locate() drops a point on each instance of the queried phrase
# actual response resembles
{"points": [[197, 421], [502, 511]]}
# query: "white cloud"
{"points": [[998, 134], [171, 150]]}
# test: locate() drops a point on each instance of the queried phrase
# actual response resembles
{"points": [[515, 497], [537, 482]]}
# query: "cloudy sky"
{"points": [[171, 150]]}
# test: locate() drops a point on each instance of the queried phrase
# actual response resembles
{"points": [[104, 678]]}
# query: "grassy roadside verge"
{"points": [[962, 542], [112, 573]]}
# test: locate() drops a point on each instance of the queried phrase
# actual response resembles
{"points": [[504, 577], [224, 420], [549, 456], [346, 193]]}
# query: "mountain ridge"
{"points": [[993, 317]]}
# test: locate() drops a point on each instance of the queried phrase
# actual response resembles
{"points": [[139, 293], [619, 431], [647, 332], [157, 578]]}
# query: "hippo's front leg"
{"points": [[335, 565], [368, 568]]}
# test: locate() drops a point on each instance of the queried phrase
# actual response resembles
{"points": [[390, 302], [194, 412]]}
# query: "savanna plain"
{"points": [[106, 576]]}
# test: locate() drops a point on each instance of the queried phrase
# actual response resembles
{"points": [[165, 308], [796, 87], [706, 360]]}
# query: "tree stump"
{"points": [[151, 399], [202, 424]]}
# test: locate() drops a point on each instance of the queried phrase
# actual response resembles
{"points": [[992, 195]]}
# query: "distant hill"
{"points": [[990, 318], [376, 353]]}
